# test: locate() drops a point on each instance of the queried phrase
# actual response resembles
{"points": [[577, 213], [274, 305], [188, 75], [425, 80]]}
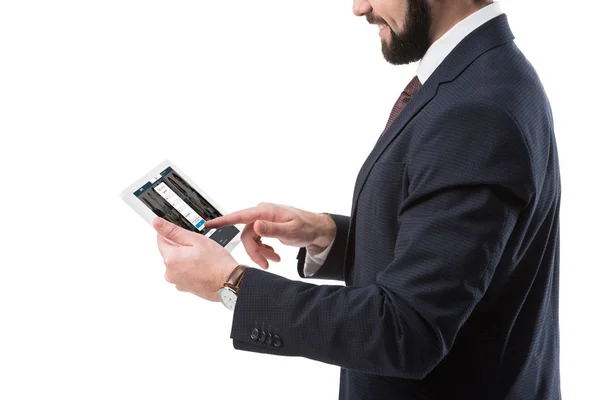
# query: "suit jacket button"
{"points": [[276, 341], [254, 335], [269, 339], [263, 336]]}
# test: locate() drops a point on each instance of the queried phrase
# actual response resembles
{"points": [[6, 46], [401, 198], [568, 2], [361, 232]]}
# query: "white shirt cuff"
{"points": [[313, 263]]}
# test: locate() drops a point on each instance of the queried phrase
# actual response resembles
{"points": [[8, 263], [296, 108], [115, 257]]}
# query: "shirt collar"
{"points": [[440, 49]]}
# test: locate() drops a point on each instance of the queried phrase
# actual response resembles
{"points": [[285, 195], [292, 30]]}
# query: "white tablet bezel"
{"points": [[130, 198]]}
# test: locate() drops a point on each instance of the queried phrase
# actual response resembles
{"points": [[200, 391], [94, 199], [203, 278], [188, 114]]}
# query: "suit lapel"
{"points": [[416, 104]]}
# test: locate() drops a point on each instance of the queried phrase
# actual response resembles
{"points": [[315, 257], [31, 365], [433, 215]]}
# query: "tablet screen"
{"points": [[170, 197]]}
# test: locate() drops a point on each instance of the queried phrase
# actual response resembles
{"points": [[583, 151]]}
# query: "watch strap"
{"points": [[236, 276]]}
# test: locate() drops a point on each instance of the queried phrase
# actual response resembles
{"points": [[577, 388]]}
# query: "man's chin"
{"points": [[394, 59], [386, 52]]}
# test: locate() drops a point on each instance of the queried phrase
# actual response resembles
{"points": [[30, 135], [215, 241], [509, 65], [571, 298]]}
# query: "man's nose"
{"points": [[361, 7]]}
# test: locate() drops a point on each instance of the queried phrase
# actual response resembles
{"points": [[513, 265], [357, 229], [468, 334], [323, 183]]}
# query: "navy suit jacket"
{"points": [[451, 253]]}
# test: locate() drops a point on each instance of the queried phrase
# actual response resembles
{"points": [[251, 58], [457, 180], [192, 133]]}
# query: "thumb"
{"points": [[273, 229], [173, 232]]}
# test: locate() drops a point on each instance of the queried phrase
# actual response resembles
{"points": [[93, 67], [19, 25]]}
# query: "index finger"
{"points": [[247, 216]]}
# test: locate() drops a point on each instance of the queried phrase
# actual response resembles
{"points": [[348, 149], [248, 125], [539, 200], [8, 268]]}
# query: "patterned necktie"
{"points": [[411, 89]]}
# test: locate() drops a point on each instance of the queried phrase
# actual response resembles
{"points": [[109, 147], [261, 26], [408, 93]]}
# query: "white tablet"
{"points": [[167, 193]]}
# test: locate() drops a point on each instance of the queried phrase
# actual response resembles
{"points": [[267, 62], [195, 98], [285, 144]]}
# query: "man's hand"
{"points": [[196, 264], [293, 227]]}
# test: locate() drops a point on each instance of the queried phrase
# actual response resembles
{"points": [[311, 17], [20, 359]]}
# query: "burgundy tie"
{"points": [[411, 89]]}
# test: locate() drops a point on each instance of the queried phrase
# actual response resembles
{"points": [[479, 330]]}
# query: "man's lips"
{"points": [[384, 28]]}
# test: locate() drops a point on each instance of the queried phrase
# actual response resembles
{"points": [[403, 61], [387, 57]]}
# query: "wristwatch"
{"points": [[229, 292]]}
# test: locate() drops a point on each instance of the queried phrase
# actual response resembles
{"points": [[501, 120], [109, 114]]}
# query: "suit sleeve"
{"points": [[470, 177], [332, 268]]}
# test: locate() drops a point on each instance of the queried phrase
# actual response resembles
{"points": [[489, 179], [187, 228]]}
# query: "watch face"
{"points": [[228, 297]]}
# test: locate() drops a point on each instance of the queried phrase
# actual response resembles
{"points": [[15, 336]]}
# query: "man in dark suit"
{"points": [[451, 252]]}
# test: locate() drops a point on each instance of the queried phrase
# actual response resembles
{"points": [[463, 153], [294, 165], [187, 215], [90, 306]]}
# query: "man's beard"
{"points": [[411, 44]]}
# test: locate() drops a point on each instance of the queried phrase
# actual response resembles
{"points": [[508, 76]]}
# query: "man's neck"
{"points": [[452, 12]]}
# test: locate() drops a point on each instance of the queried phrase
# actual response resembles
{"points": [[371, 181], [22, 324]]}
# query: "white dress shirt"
{"points": [[432, 59]]}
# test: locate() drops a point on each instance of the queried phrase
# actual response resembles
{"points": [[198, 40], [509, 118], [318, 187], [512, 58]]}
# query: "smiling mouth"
{"points": [[380, 24], [384, 29]]}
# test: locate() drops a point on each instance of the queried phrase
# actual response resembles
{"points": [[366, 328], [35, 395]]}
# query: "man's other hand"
{"points": [[292, 226]]}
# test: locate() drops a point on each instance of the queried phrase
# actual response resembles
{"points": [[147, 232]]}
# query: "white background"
{"points": [[256, 101]]}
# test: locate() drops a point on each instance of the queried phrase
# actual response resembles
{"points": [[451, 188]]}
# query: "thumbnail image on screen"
{"points": [[170, 197]]}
